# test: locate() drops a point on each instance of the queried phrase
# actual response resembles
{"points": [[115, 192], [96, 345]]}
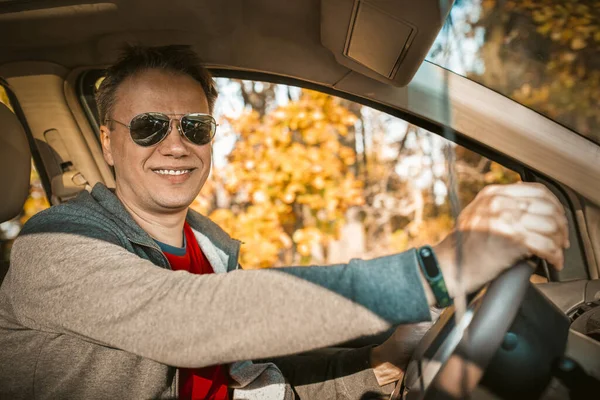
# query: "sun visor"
{"points": [[383, 39]]}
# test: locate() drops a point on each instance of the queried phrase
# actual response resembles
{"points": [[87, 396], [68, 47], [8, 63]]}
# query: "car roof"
{"points": [[304, 40], [310, 39]]}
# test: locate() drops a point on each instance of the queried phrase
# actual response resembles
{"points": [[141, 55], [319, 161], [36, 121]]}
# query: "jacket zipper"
{"points": [[237, 254], [162, 255], [174, 389]]}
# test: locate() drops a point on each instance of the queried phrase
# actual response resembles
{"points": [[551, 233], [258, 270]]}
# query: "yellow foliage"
{"points": [[36, 201], [567, 86], [260, 231], [290, 178], [4, 98], [289, 181], [430, 231], [501, 175]]}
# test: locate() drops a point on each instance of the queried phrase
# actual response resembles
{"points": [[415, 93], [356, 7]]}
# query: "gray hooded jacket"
{"points": [[90, 309]]}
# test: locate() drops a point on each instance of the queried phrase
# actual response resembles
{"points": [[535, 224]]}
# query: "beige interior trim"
{"points": [[592, 223], [76, 10], [580, 209], [236, 34], [478, 113], [40, 93], [86, 130], [492, 120], [585, 350]]}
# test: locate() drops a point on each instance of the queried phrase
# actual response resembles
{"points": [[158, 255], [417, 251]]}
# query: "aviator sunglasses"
{"points": [[150, 128]]}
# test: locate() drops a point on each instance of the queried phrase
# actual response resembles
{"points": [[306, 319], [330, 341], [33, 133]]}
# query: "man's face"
{"points": [[141, 182]]}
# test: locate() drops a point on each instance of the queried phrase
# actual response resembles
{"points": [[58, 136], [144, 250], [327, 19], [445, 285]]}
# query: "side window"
{"points": [[35, 202], [302, 177]]}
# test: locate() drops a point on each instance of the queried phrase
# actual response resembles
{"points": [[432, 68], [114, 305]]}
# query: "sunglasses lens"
{"points": [[148, 129], [198, 128]]}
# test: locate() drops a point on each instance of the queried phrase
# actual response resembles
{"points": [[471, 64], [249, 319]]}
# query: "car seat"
{"points": [[15, 170]]}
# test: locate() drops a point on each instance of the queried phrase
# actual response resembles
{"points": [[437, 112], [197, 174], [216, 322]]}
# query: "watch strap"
{"points": [[433, 275]]}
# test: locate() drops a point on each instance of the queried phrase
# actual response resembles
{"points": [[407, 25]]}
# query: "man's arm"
{"points": [[350, 373], [330, 373], [94, 289], [77, 284], [390, 359]]}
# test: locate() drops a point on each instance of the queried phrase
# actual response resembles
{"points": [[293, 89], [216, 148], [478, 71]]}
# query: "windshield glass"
{"points": [[540, 53]]}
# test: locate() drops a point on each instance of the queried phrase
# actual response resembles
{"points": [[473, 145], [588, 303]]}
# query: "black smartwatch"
{"points": [[433, 275]]}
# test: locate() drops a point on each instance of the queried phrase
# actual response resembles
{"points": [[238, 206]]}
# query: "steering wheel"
{"points": [[451, 358]]}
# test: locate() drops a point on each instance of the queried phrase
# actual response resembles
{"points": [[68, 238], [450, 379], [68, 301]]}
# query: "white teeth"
{"points": [[172, 171]]}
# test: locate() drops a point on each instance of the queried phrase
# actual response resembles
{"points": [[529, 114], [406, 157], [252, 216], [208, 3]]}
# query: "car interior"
{"points": [[524, 340]]}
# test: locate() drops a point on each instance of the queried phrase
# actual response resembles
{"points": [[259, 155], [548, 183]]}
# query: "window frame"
{"points": [[88, 78]]}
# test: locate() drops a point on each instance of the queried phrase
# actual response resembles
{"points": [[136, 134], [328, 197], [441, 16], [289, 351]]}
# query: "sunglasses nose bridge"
{"points": [[177, 123], [173, 121]]}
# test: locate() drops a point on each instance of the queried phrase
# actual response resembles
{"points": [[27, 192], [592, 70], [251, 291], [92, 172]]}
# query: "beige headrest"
{"points": [[15, 165]]}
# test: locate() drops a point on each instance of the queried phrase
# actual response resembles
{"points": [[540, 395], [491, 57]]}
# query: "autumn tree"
{"points": [[289, 179], [298, 166], [544, 54], [418, 206]]}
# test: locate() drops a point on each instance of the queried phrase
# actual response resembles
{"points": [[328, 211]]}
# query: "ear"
{"points": [[106, 148]]}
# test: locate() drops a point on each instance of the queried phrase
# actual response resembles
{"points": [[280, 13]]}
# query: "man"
{"points": [[129, 294]]}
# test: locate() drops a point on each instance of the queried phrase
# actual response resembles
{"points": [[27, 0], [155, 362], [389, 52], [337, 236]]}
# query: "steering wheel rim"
{"points": [[432, 373]]}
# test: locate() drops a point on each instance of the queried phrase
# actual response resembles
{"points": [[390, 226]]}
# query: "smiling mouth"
{"points": [[172, 171]]}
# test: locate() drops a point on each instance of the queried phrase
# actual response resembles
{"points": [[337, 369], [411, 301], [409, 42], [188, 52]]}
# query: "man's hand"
{"points": [[390, 359], [503, 224]]}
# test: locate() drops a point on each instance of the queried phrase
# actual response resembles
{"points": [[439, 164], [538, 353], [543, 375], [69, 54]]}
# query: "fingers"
{"points": [[534, 205], [542, 235], [528, 190], [536, 214], [530, 199], [554, 228], [544, 247], [507, 222]]}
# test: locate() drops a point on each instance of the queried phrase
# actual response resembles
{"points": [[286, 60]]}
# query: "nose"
{"points": [[174, 144]]}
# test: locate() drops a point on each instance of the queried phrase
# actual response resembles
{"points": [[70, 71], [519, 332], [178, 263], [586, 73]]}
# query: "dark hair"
{"points": [[135, 59]]}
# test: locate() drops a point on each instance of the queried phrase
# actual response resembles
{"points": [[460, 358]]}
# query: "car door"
{"points": [[394, 176]]}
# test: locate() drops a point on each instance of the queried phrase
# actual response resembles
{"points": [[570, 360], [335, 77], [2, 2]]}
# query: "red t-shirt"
{"points": [[209, 383]]}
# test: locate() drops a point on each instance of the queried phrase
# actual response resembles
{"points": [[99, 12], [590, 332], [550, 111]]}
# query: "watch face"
{"points": [[431, 268], [425, 252]]}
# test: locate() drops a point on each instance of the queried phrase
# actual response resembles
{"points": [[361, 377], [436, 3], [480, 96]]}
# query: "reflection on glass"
{"points": [[544, 54]]}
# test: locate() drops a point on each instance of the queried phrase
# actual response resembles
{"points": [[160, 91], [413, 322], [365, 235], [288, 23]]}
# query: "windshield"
{"points": [[540, 53]]}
